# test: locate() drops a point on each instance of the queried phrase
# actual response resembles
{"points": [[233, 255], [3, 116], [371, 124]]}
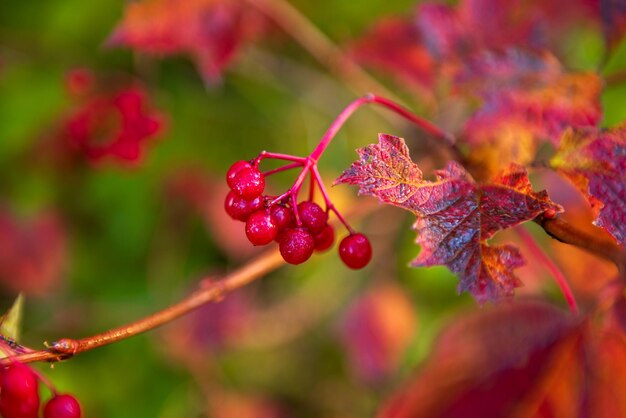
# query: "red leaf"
{"points": [[395, 46], [210, 31], [32, 253], [595, 161], [499, 363], [455, 215], [522, 360]]}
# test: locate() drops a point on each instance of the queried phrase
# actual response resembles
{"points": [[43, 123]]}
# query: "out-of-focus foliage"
{"points": [[111, 190]]}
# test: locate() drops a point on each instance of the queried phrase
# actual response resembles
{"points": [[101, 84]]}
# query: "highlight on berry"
{"points": [[299, 227], [19, 396]]}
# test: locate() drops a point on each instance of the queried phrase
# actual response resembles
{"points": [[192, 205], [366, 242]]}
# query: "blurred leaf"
{"points": [[613, 13], [595, 161], [395, 45], [211, 31]]}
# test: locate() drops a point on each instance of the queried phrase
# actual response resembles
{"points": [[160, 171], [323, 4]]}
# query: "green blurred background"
{"points": [[133, 249]]}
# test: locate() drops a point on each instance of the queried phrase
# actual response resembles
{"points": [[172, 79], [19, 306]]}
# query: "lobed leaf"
{"points": [[595, 161], [455, 215]]}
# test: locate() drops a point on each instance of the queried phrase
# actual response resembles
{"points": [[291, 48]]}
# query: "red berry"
{"points": [[324, 240], [27, 408], [355, 251], [62, 406], [249, 183], [239, 208], [234, 170], [296, 245], [282, 217], [260, 228], [312, 216], [18, 383]]}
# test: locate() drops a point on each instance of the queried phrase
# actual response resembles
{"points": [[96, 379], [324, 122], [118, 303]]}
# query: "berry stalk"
{"points": [[420, 122]]}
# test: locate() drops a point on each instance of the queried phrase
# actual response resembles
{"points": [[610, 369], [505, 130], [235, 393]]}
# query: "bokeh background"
{"points": [[114, 239]]}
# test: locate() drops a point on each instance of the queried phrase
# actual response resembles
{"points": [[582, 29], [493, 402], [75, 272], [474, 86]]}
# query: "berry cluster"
{"points": [[19, 396], [300, 228]]}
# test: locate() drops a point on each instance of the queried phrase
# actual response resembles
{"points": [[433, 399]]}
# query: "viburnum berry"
{"points": [[234, 170], [260, 228], [296, 245], [239, 208], [62, 406], [18, 382], [312, 216], [355, 251], [324, 240], [248, 183], [19, 392], [282, 217]]}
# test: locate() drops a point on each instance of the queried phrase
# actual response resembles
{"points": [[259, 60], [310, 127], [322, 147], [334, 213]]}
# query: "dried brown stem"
{"points": [[209, 291], [602, 247]]}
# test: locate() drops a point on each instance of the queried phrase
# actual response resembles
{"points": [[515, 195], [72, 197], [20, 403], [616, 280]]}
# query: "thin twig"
{"points": [[209, 291]]}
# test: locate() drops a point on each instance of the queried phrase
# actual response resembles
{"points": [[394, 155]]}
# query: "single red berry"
{"points": [[239, 208], [312, 216], [324, 240], [282, 217], [26, 408], [355, 251], [249, 183], [260, 228], [18, 383], [234, 170], [296, 245], [62, 406]]}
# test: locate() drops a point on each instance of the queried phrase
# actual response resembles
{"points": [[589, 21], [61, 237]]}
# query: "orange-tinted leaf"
{"points": [[455, 215], [496, 363], [527, 98], [499, 140], [534, 89], [376, 330], [524, 360], [210, 31], [595, 161]]}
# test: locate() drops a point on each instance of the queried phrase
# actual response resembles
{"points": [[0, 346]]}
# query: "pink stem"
{"points": [[295, 189], [283, 168], [559, 277], [393, 106], [264, 154], [312, 186], [315, 174]]}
